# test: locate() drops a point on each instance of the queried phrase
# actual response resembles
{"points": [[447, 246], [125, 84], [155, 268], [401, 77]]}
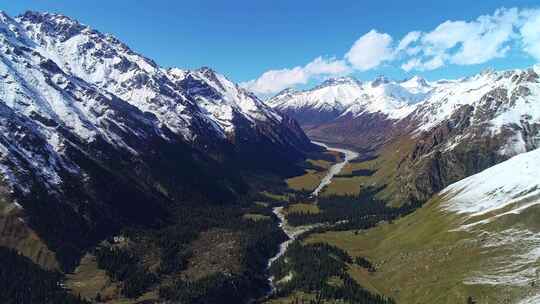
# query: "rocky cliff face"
{"points": [[94, 137], [502, 122]]}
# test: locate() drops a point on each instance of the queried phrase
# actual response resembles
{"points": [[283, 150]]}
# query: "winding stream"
{"points": [[293, 232], [335, 169]]}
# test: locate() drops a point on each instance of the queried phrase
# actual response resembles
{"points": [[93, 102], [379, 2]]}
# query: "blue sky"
{"points": [[244, 39]]}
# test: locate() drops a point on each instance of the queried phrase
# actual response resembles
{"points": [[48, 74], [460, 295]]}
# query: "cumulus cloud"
{"points": [[326, 66], [410, 38], [477, 42], [473, 42], [457, 42], [370, 50], [419, 65], [273, 81], [530, 33]]}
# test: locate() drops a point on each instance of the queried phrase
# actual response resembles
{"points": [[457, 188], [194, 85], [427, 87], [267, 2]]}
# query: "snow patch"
{"points": [[518, 269], [504, 184]]}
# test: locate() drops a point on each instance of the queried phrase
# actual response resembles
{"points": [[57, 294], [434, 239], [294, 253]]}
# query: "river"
{"points": [[293, 232], [335, 169]]}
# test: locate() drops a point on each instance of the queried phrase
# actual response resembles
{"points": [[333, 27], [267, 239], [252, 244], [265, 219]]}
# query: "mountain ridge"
{"points": [[454, 129], [104, 138]]}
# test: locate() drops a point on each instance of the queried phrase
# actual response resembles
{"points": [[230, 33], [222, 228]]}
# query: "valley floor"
{"points": [[431, 255]]}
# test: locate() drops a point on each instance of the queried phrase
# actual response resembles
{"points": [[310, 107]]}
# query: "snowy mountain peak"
{"points": [[346, 95], [4, 17], [338, 81], [381, 79], [415, 81], [175, 96], [54, 24], [416, 84], [488, 71], [78, 60], [206, 70], [500, 100], [287, 91]]}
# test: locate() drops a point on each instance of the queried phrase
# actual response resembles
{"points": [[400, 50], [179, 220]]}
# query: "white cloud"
{"points": [[411, 64], [433, 63], [465, 43], [419, 65], [370, 50], [530, 33], [456, 42], [326, 66], [487, 38], [406, 41], [273, 81]]}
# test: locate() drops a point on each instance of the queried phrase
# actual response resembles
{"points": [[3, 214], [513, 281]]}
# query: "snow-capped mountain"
{"points": [[201, 106], [187, 102], [500, 102], [482, 231], [348, 111], [468, 125], [416, 84], [100, 136], [339, 97], [500, 99], [449, 129]]}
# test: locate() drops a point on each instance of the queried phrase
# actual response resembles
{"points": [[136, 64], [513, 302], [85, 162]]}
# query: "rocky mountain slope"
{"points": [[447, 130], [94, 136], [469, 125]]}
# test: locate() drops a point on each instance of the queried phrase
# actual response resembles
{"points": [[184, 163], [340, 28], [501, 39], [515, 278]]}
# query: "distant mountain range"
{"points": [[453, 128], [338, 97]]}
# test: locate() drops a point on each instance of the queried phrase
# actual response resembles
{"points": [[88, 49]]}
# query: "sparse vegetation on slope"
{"points": [[422, 253], [320, 270], [24, 282]]}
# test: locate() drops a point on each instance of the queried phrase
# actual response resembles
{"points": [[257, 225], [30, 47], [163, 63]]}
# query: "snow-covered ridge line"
{"points": [[508, 188], [350, 96], [106, 62], [518, 91], [515, 181], [426, 104], [64, 84]]}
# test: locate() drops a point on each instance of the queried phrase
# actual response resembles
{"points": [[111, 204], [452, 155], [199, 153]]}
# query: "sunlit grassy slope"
{"points": [[385, 169], [302, 208], [422, 258]]}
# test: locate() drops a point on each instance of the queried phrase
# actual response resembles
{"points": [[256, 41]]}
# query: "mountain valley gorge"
{"points": [[122, 181]]}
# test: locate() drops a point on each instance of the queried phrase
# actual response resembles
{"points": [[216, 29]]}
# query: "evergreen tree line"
{"points": [[22, 282], [259, 240], [126, 268], [359, 172], [320, 269], [351, 212]]}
